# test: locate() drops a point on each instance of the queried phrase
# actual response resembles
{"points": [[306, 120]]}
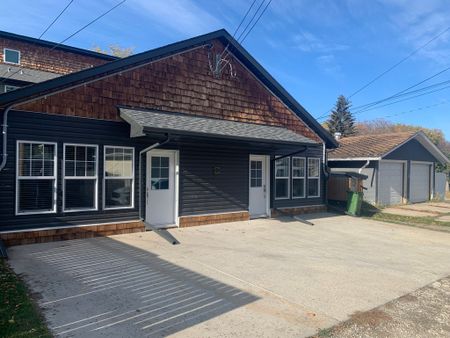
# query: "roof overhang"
{"points": [[147, 122], [427, 144], [83, 77]]}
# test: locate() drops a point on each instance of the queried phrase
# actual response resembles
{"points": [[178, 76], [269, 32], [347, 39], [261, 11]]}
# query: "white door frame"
{"points": [[267, 179], [163, 152]]}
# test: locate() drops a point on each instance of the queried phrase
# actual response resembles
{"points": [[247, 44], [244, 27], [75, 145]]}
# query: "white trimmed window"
{"points": [[118, 177], [282, 178], [36, 177], [80, 177], [313, 177], [298, 177], [11, 56]]}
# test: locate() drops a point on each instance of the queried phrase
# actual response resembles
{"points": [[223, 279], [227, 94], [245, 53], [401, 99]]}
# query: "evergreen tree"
{"points": [[341, 119]]}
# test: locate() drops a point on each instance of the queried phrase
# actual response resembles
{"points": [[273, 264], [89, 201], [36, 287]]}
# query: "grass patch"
{"points": [[19, 316], [375, 213]]}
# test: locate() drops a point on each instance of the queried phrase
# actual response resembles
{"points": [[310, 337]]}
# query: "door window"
{"points": [[160, 173], [255, 174]]}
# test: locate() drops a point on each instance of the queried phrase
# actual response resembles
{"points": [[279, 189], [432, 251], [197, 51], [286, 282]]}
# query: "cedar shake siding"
{"points": [[181, 83], [59, 61]]}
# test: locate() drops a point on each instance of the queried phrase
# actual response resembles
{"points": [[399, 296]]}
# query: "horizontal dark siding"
{"points": [[51, 128], [351, 164], [412, 151], [312, 151], [204, 191]]}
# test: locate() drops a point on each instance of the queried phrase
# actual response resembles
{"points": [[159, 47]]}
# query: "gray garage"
{"points": [[400, 167]]}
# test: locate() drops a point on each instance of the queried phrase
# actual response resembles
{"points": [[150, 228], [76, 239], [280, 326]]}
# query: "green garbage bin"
{"points": [[354, 201]]}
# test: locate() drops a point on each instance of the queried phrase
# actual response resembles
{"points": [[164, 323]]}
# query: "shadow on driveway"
{"points": [[102, 287]]}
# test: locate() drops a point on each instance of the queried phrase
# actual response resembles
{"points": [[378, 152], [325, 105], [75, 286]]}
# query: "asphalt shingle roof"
{"points": [[26, 74], [374, 145], [203, 126]]}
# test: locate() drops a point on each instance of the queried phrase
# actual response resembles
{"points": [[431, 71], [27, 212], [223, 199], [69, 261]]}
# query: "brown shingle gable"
{"points": [[374, 145]]}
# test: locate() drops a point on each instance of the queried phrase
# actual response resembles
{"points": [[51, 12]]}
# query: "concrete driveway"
{"points": [[257, 278]]}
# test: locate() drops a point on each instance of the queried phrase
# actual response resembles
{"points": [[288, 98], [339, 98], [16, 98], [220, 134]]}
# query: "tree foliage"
{"points": [[341, 119], [381, 126], [115, 50]]}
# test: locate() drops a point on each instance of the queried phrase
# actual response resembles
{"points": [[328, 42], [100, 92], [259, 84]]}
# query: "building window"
{"points": [[11, 56], [160, 173], [118, 177], [80, 177], [256, 173], [36, 177], [313, 177], [298, 177], [9, 88], [282, 178]]}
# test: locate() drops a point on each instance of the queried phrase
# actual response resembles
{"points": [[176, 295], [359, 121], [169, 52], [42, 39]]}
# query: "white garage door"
{"points": [[391, 183], [420, 182]]}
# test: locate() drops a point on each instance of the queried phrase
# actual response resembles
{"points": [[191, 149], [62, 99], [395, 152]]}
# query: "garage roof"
{"points": [[377, 146], [148, 121]]}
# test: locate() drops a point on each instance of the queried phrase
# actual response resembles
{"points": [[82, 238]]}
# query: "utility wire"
{"points": [[245, 17], [56, 19], [88, 24], [259, 17], [399, 62], [406, 89], [406, 99], [251, 20], [392, 67], [364, 106], [72, 35]]}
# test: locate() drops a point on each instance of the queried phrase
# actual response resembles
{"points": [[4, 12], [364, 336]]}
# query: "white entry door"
{"points": [[258, 186], [161, 188]]}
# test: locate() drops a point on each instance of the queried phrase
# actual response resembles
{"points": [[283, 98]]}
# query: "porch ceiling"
{"points": [[147, 121]]}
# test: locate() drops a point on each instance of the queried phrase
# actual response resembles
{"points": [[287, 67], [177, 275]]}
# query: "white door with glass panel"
{"points": [[161, 188], [258, 199]]}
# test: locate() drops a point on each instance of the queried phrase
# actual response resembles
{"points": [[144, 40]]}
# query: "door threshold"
{"points": [[259, 216]]}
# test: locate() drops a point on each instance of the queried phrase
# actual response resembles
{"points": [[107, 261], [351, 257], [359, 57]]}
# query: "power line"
{"points": [[406, 89], [249, 23], [399, 62], [417, 109], [72, 35], [368, 105], [406, 99], [56, 19], [88, 24], [260, 15], [243, 19], [392, 67]]}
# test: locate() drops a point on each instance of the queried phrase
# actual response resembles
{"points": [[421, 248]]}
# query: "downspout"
{"points": [[5, 137], [142, 152], [363, 167]]}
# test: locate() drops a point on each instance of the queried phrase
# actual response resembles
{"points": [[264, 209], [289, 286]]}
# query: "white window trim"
{"points": [[284, 177], [299, 178], [64, 178], [12, 50], [314, 177], [54, 178], [118, 178]]}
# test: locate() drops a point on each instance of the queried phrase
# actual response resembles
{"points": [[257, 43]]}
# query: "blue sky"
{"points": [[317, 49]]}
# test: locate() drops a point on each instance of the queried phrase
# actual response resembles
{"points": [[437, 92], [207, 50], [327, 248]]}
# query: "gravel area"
{"points": [[422, 313]]}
